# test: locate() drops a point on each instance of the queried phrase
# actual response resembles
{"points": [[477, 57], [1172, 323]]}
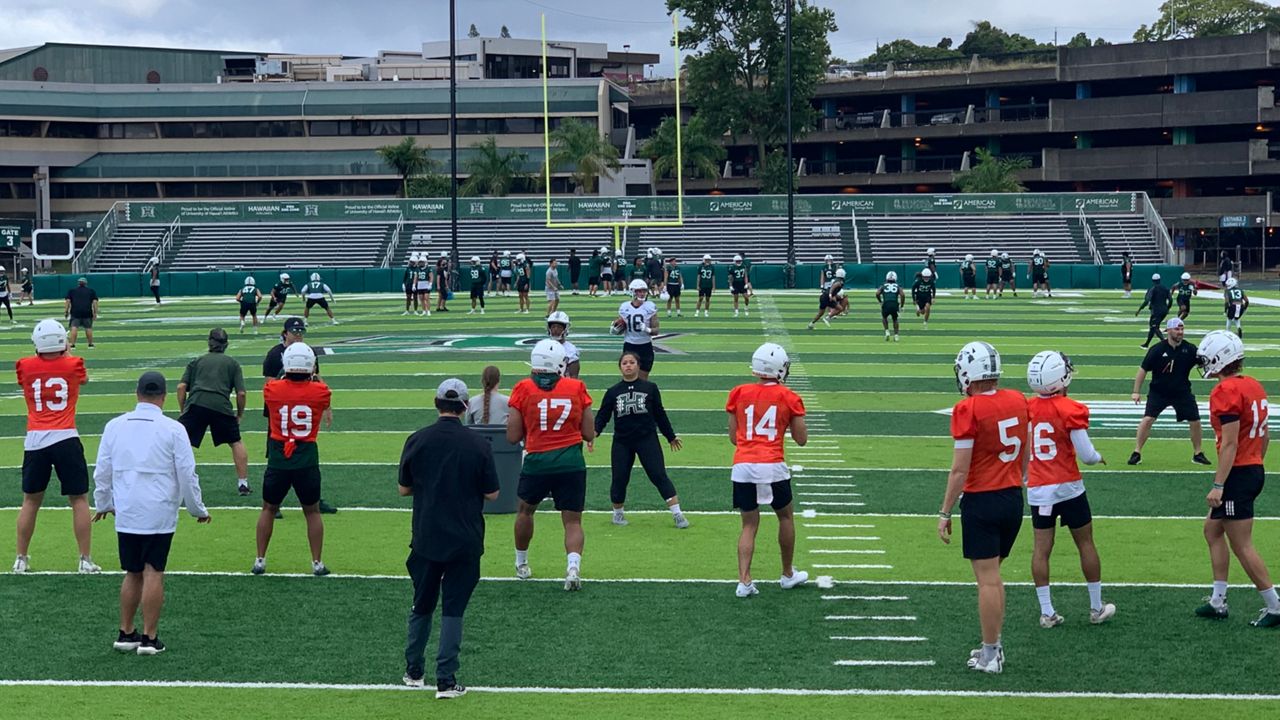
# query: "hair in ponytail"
{"points": [[489, 378]]}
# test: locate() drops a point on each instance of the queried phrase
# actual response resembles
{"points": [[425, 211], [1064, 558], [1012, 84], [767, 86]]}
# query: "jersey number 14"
{"points": [[766, 426]]}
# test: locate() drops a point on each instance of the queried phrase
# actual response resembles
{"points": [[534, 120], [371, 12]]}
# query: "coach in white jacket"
{"points": [[145, 469]]}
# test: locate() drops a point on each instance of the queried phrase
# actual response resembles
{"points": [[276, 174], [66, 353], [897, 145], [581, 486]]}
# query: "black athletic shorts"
{"points": [[477, 290], [971, 281], [247, 308], [644, 352], [1234, 312], [196, 419], [138, 551], [276, 301], [1039, 277], [990, 522], [673, 291], [568, 489], [738, 288], [522, 284], [922, 303], [593, 280], [312, 302], [1243, 486], [305, 483], [993, 277], [704, 292], [747, 496], [1073, 514], [1184, 406], [606, 276], [1006, 277], [824, 301], [889, 312], [85, 321], [65, 456]]}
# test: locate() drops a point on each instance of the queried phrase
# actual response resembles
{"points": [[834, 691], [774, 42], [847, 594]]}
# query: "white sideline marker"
{"points": [[880, 638], [857, 567], [838, 526], [848, 552], [895, 663], [868, 598], [876, 618], [834, 504], [860, 538]]}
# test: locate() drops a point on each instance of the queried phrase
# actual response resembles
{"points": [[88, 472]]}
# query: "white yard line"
{"points": [[873, 618], [877, 663]]}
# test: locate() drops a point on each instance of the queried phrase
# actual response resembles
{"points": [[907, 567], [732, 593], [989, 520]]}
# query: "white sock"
{"points": [[1046, 604], [1095, 595], [1219, 593], [675, 509], [617, 512], [242, 481], [1271, 598], [575, 560], [317, 564], [522, 557]]}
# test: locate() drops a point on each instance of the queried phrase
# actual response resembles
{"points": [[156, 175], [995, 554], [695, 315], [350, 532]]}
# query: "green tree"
{"points": [[473, 32], [774, 174], [992, 174], [429, 185], [1208, 18], [504, 33], [736, 73], [580, 146], [491, 171], [702, 153], [903, 51], [407, 160], [987, 39]]}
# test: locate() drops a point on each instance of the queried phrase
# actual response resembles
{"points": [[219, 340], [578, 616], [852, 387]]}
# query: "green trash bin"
{"points": [[508, 458]]}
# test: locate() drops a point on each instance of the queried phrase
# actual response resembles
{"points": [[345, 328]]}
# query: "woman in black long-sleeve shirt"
{"points": [[640, 415]]}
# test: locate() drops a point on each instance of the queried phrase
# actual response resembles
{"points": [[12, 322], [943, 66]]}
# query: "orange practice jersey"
{"points": [[1053, 457], [552, 418], [1240, 397], [764, 412], [997, 426], [294, 408], [51, 388]]}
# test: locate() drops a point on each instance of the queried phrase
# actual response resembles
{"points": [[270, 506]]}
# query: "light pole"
{"points": [[453, 133], [791, 208]]}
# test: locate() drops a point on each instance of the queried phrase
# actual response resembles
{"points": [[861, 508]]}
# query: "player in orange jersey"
{"points": [[1055, 489], [552, 415], [51, 381], [296, 403], [1238, 412], [989, 465], [760, 414]]}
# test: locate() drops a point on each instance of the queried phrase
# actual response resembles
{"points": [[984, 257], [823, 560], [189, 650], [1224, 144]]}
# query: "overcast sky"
{"points": [[363, 28]]}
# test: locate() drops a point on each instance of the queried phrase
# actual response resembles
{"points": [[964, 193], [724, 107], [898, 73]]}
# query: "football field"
{"points": [[656, 629]]}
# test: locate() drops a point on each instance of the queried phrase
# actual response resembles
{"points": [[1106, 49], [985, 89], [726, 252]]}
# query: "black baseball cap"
{"points": [[295, 325], [151, 383]]}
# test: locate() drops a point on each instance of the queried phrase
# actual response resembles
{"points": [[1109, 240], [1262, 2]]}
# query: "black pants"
{"points": [[454, 581], [5, 300], [1153, 330], [155, 291], [624, 457]]}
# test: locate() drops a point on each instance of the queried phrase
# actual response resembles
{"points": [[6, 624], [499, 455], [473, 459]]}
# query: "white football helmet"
{"points": [[737, 258], [561, 317], [1232, 282], [926, 273], [891, 276], [1049, 372], [995, 253], [706, 258], [976, 361], [506, 253], [770, 361], [657, 251], [284, 276], [1155, 277], [930, 251], [475, 259], [1004, 256], [299, 358], [49, 336], [315, 277], [638, 286], [444, 254], [840, 273], [1186, 276], [155, 259], [664, 296], [968, 257], [548, 356], [2, 269], [604, 250], [828, 258], [1036, 252], [1217, 350], [250, 281]]}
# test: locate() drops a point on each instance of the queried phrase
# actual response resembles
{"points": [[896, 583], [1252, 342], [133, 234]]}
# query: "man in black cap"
{"points": [[295, 330], [449, 471], [81, 308], [204, 401], [1159, 299], [145, 467]]}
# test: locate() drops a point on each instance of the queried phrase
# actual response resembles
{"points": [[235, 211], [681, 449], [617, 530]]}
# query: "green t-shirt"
{"points": [[210, 380], [593, 265], [638, 273], [889, 296], [706, 276], [563, 460]]}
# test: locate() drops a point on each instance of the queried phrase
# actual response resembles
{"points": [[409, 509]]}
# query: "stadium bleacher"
{"points": [[905, 238], [130, 248], [1115, 234], [225, 246]]}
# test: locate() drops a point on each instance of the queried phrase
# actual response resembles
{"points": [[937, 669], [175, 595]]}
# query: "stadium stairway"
{"points": [[129, 248], [1081, 242], [1115, 234], [905, 239]]}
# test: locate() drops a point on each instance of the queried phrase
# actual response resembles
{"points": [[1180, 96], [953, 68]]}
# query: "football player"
{"points": [[442, 271], [1238, 412], [1055, 489], [479, 278], [760, 416], [890, 296], [653, 270], [706, 286], [1007, 275], [280, 294], [923, 291], [831, 301], [422, 285], [249, 297], [1040, 274], [296, 404], [558, 329], [1235, 303], [1158, 298], [410, 284], [674, 283], [606, 270], [969, 277], [1186, 289], [552, 415], [504, 272], [638, 322], [523, 271], [4, 293], [153, 272], [593, 272], [50, 382], [829, 268], [993, 274], [1126, 273], [931, 261], [738, 286], [315, 293], [28, 288], [988, 465]]}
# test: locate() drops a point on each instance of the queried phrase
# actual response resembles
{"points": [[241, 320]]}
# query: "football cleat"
{"points": [[523, 572], [1135, 458], [1097, 617], [88, 566], [572, 579], [1267, 619], [150, 646], [1200, 459], [1051, 621], [411, 681], [21, 563], [681, 521], [259, 566], [746, 590], [1211, 611], [318, 569], [619, 519], [450, 691]]}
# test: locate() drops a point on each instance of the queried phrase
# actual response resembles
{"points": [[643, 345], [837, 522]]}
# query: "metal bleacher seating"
{"points": [[483, 237], [130, 248], [226, 246], [905, 238], [1116, 234]]}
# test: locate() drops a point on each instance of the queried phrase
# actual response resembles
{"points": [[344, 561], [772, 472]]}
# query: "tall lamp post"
{"points": [[791, 208], [453, 133]]}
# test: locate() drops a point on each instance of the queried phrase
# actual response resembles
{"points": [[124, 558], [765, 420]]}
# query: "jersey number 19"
{"points": [[295, 421]]}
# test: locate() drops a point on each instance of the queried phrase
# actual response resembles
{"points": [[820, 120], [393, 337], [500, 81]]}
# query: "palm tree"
{"points": [[407, 159], [581, 147], [992, 174], [491, 171], [701, 152]]}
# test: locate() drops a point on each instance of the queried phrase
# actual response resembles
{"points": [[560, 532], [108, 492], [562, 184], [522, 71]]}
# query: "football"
{"points": [[617, 326]]}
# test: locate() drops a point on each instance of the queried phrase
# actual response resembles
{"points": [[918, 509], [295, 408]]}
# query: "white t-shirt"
{"points": [[637, 328], [498, 409]]}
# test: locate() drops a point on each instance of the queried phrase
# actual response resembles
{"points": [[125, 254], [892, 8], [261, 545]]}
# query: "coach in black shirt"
{"points": [[81, 308], [1159, 299], [1170, 362], [295, 330], [449, 471]]}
